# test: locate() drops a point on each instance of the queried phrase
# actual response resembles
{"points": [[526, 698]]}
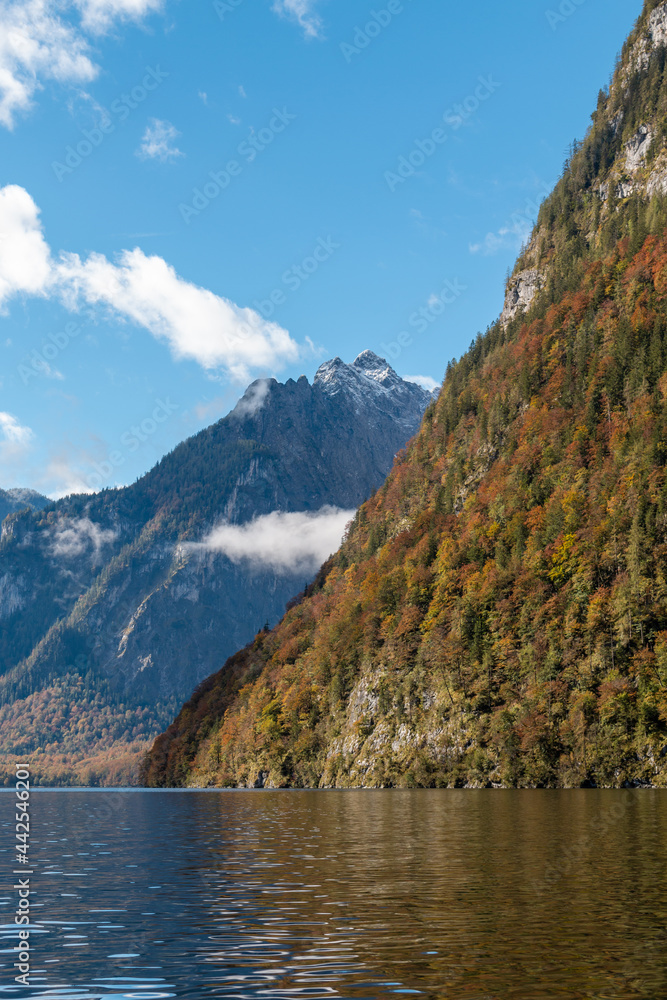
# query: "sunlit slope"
{"points": [[498, 613], [113, 607]]}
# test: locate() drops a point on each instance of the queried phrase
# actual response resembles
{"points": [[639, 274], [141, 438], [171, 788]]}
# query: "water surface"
{"points": [[489, 895]]}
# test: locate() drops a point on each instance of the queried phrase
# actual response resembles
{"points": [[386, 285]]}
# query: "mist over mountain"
{"points": [[20, 499], [113, 607], [497, 615]]}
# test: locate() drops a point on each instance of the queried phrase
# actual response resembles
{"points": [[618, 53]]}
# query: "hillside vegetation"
{"points": [[110, 617], [498, 612]]}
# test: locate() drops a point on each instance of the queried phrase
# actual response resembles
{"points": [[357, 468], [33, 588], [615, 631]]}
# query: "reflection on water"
{"points": [[489, 895]]}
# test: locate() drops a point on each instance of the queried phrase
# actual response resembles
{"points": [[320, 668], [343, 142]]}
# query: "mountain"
{"points": [[497, 614], [113, 607], [18, 499]]}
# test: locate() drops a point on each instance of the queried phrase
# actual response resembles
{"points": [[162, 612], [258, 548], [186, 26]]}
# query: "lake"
{"points": [[483, 895]]}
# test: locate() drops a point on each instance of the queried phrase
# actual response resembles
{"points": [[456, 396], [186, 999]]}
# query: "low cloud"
{"points": [[283, 543], [158, 142], [508, 238], [517, 230], [303, 12], [65, 473], [425, 381], [74, 537], [196, 323], [253, 399]]}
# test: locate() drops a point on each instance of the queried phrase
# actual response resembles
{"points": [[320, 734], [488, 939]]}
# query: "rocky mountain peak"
{"points": [[368, 373], [375, 367], [126, 582]]}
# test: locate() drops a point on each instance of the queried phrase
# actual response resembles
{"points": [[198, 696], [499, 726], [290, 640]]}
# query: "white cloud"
{"points": [[99, 15], [47, 371], [15, 441], [196, 323], [87, 111], [284, 543], [233, 120], [73, 537], [158, 142], [301, 11], [517, 230], [38, 44], [63, 477], [242, 92], [203, 96], [425, 381], [15, 435], [25, 264], [508, 238]]}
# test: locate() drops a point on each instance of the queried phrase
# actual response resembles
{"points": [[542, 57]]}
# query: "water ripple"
{"points": [[438, 894]]}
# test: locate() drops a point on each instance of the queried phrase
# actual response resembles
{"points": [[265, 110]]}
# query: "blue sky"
{"points": [[197, 194]]}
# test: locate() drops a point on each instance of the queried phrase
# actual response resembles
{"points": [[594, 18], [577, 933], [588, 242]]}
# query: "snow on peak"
{"points": [[368, 376], [369, 361], [376, 368]]}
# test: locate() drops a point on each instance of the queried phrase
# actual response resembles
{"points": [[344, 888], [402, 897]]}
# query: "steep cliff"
{"points": [[498, 612]]}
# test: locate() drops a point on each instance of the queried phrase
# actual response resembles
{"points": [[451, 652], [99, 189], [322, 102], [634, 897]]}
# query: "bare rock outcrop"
{"points": [[523, 288]]}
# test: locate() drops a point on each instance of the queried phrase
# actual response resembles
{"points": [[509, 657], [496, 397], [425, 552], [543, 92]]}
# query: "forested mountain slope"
{"points": [[498, 612], [17, 499], [113, 607]]}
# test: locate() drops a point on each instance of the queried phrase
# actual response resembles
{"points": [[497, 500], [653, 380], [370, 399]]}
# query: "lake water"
{"points": [[483, 895]]}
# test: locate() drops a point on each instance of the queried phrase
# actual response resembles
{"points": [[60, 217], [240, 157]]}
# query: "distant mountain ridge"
{"points": [[20, 499], [114, 606]]}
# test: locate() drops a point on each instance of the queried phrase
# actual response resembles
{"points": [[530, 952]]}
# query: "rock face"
{"points": [[523, 288], [113, 587], [637, 149], [630, 158], [657, 182], [652, 37]]}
